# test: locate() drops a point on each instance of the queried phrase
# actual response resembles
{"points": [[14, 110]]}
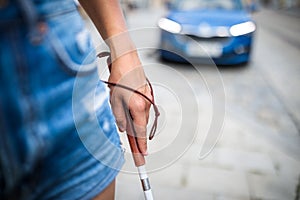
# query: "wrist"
{"points": [[121, 45]]}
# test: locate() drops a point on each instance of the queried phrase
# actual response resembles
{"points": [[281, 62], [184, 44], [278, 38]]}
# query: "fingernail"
{"points": [[145, 153]]}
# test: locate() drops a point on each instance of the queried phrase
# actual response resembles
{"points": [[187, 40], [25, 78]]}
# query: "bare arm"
{"points": [[106, 15], [126, 68]]}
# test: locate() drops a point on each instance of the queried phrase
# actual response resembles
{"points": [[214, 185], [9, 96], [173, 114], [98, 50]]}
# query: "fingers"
{"points": [[139, 110], [119, 113], [137, 156]]}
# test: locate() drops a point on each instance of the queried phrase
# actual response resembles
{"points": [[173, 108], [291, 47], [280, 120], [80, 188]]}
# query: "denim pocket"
{"points": [[72, 43]]}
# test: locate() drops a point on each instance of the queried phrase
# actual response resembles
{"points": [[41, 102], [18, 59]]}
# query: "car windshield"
{"points": [[207, 4]]}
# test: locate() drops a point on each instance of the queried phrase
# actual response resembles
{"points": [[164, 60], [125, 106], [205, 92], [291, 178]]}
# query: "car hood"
{"points": [[213, 18]]}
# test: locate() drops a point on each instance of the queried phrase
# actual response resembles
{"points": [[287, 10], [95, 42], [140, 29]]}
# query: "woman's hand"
{"points": [[127, 70]]}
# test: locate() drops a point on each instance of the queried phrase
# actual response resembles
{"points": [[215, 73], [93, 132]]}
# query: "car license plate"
{"points": [[204, 49]]}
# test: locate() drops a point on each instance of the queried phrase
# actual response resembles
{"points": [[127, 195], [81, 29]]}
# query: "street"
{"points": [[257, 154]]}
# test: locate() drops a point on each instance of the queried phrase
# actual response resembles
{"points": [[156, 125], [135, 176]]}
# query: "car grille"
{"points": [[211, 39]]}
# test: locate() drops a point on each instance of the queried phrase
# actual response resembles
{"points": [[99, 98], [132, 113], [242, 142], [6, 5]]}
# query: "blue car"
{"points": [[201, 30]]}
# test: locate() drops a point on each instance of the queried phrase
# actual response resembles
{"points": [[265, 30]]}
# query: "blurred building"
{"points": [[135, 4], [281, 3], [272, 3]]}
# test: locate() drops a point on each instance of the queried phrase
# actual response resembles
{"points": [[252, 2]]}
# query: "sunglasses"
{"points": [[151, 101]]}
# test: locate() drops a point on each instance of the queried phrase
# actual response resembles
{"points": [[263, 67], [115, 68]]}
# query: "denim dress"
{"points": [[58, 138]]}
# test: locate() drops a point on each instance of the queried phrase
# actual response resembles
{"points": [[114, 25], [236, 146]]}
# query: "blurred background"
{"points": [[258, 153]]}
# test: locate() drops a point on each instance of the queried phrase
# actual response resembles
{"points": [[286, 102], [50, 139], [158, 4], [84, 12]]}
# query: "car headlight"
{"points": [[242, 29], [169, 25]]}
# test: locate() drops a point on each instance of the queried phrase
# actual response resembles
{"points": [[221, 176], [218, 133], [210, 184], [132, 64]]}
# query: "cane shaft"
{"points": [[138, 157]]}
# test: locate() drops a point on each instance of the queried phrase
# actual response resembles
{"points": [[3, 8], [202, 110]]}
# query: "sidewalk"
{"points": [[295, 12]]}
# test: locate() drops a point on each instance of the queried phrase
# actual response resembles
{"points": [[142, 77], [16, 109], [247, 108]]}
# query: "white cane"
{"points": [[138, 158]]}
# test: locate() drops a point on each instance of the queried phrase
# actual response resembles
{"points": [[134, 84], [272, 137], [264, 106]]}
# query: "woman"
{"points": [[48, 150]]}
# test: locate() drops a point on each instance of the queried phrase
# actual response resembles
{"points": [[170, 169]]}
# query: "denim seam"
{"points": [[70, 66]]}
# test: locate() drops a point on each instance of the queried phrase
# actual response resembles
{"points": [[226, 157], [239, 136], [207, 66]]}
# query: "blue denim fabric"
{"points": [[58, 138]]}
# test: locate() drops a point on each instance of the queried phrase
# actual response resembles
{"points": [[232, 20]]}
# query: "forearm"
{"points": [[106, 15], [109, 20]]}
